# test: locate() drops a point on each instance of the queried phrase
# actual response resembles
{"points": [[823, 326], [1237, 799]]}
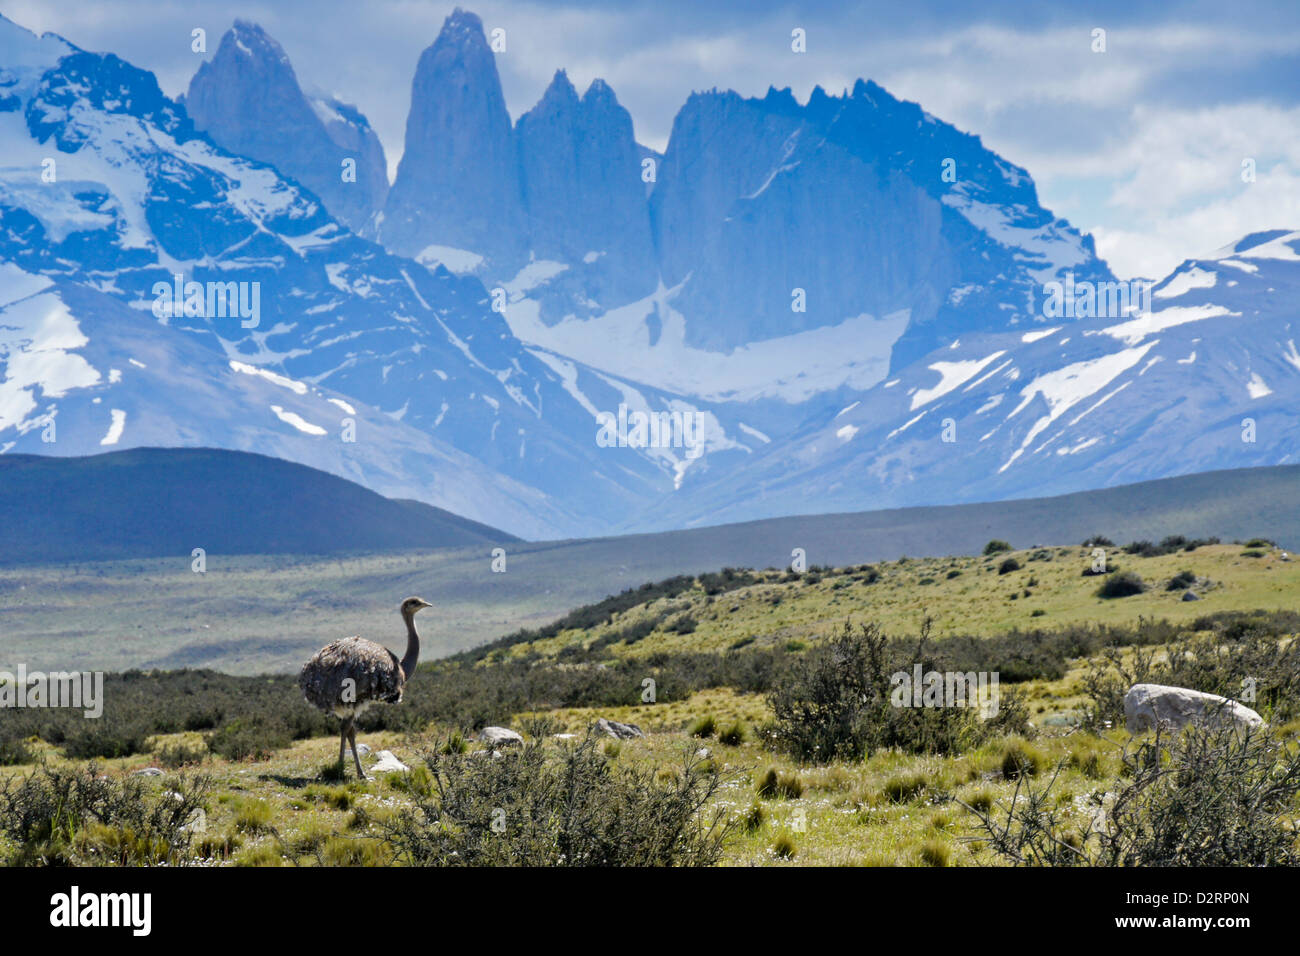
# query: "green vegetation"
{"points": [[1205, 797], [837, 702], [74, 816], [566, 806], [771, 734], [257, 614], [1121, 584]]}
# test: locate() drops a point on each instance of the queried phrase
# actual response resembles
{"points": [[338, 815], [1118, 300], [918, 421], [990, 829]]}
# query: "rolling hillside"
{"points": [[1004, 592], [151, 502], [252, 613]]}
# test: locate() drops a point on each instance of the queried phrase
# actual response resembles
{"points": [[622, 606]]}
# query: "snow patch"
{"points": [[952, 375], [116, 426], [1257, 387], [1135, 330], [298, 388], [457, 261], [297, 421]]}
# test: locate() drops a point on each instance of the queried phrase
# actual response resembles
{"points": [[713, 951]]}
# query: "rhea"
{"points": [[348, 676]]}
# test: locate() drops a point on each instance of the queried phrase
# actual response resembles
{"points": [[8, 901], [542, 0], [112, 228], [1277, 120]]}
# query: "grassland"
{"points": [[961, 595], [256, 614], [893, 808]]}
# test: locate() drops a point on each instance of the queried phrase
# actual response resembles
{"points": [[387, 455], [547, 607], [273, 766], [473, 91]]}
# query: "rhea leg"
{"points": [[352, 739], [343, 736]]}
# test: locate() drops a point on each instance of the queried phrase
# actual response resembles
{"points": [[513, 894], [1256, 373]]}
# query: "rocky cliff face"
{"points": [[457, 186], [248, 100], [865, 203], [585, 200]]}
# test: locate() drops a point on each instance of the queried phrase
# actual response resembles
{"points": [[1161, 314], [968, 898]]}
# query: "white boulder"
{"points": [[388, 763], [1147, 706], [496, 737]]}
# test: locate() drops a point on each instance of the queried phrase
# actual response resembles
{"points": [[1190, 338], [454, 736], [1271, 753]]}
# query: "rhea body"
{"points": [[347, 677]]}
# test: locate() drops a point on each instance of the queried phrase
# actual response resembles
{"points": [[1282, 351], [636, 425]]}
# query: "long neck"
{"points": [[412, 647]]}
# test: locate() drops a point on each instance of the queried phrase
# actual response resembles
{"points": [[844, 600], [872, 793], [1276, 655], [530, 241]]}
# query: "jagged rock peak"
{"points": [[248, 38], [560, 91]]}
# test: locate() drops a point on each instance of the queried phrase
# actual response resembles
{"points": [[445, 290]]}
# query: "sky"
{"points": [[1141, 144]]}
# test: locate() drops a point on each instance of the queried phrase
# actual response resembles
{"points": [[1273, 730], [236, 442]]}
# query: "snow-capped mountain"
{"points": [[247, 99], [84, 373], [784, 251], [845, 301], [108, 184], [1207, 377]]}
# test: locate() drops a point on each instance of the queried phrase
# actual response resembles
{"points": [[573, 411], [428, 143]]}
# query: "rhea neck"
{"points": [[412, 645]]}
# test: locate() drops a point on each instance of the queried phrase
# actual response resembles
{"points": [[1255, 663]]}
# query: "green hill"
{"points": [[252, 613], [150, 502]]}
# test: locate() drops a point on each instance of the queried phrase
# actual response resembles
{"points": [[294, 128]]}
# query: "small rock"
{"points": [[1284, 556], [1191, 596], [387, 763], [496, 737], [148, 772], [362, 749], [613, 728], [704, 753], [1149, 705], [564, 736]]}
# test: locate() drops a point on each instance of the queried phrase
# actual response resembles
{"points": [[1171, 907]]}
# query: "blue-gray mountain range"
{"points": [[848, 295]]}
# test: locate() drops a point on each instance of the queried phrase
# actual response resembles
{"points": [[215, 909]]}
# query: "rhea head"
{"points": [[413, 604]]}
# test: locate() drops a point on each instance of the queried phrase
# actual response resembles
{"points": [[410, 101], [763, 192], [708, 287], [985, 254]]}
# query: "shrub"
{"points": [[1215, 663], [81, 817], [996, 546], [936, 852], [773, 786], [15, 751], [1099, 541], [905, 788], [565, 806], [685, 624], [1208, 796], [1121, 584], [1181, 581], [733, 735], [783, 847], [173, 756], [1019, 760], [834, 702], [247, 737], [1009, 565], [705, 726]]}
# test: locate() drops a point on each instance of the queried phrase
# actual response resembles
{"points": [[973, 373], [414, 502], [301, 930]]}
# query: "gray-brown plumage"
{"points": [[346, 677]]}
